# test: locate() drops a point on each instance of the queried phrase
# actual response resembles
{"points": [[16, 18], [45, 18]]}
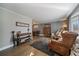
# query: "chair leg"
{"points": [[69, 51], [14, 43]]}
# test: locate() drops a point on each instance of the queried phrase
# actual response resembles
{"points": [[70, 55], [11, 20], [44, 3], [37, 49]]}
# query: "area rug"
{"points": [[42, 45]]}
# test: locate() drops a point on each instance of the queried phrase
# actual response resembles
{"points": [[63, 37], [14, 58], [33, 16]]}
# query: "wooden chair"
{"points": [[64, 46]]}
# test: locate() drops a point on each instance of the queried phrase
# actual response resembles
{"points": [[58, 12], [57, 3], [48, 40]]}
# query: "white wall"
{"points": [[76, 12], [8, 23]]}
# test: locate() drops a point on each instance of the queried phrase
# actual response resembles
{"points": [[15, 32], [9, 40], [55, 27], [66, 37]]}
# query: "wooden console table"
{"points": [[20, 37]]}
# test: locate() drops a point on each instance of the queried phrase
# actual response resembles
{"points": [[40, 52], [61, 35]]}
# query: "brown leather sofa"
{"points": [[64, 46]]}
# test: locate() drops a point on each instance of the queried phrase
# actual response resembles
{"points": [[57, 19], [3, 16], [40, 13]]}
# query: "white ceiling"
{"points": [[42, 12]]}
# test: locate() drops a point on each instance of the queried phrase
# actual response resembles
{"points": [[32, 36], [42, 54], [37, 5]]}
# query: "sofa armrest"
{"points": [[60, 43]]}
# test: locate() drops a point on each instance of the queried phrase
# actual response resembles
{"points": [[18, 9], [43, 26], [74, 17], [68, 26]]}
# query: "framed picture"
{"points": [[21, 24]]}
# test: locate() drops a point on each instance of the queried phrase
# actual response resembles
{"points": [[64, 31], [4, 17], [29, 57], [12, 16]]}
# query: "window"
{"points": [[74, 24]]}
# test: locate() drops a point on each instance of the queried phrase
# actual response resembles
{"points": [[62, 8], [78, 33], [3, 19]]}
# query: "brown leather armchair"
{"points": [[63, 47]]}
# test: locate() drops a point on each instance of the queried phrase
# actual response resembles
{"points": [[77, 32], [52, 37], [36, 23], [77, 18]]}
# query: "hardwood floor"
{"points": [[22, 50]]}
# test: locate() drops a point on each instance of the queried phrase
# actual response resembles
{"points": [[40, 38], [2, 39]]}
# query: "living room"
{"points": [[27, 29]]}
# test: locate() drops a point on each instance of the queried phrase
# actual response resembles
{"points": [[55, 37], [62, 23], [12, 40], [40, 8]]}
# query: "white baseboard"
{"points": [[3, 48]]}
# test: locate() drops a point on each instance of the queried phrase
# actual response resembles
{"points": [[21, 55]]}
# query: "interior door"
{"points": [[47, 30]]}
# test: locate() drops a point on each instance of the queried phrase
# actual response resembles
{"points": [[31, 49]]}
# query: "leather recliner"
{"points": [[64, 46]]}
